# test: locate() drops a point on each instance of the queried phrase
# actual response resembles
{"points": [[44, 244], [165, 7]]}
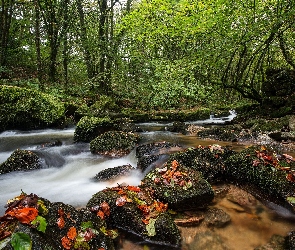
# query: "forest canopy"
{"points": [[175, 54]]}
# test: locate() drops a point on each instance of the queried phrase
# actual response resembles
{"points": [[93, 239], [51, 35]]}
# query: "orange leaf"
{"points": [[24, 215], [105, 208], [145, 221], [60, 222], [72, 233], [100, 214], [134, 188], [66, 243]]}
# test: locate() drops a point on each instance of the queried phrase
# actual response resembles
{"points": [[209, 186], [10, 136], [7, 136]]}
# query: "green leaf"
{"points": [[151, 227], [21, 241], [87, 224], [291, 200], [41, 223]]}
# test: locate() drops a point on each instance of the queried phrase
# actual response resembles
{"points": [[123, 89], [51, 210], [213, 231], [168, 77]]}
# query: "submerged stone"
{"points": [[20, 160]]}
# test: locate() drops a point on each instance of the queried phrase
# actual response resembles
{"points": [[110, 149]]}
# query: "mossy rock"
{"points": [[181, 188], [133, 210], [268, 172], [20, 160], [59, 226], [264, 125], [114, 143], [208, 160], [90, 127], [28, 109]]}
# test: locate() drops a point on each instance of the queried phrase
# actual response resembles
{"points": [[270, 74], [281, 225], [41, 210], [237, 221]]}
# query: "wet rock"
{"points": [[54, 225], [268, 172], [178, 127], [154, 155], [134, 210], [208, 241], [113, 173], [241, 198], [114, 143], [291, 240], [292, 122], [208, 160], [90, 127], [216, 217], [20, 160], [180, 187], [189, 219], [282, 136], [56, 143], [276, 242]]}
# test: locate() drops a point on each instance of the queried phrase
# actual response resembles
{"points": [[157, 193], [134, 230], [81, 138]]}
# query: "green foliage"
{"points": [[21, 241], [28, 109]]}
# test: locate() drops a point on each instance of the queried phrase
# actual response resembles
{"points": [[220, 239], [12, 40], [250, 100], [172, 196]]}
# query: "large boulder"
{"points": [[209, 160], [90, 127], [32, 220], [20, 160], [28, 109], [114, 143], [181, 188], [134, 210]]}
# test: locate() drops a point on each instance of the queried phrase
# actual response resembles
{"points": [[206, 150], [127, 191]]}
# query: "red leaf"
{"points": [[24, 215], [134, 188], [72, 233], [100, 214], [60, 222], [105, 208], [66, 243], [88, 235]]}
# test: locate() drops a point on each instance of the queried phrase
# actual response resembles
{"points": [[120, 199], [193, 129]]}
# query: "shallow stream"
{"points": [[68, 169]]}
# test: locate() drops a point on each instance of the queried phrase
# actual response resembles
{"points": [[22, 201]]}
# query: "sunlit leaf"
{"points": [[151, 230], [41, 223]]}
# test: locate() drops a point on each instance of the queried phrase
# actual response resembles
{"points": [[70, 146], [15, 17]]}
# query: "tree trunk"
{"points": [[91, 72], [38, 43], [5, 22]]}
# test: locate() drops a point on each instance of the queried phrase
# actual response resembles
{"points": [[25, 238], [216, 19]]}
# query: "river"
{"points": [[68, 169]]}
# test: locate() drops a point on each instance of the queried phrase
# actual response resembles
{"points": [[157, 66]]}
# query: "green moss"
{"points": [[117, 142], [22, 108], [90, 127]]}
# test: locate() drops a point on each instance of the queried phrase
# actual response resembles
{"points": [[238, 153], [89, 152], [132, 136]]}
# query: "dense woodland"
{"points": [[149, 54]]}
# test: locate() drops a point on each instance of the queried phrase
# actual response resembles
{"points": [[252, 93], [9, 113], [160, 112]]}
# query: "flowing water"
{"points": [[68, 169]]}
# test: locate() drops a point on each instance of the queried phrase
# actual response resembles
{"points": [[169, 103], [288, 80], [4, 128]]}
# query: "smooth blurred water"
{"points": [[67, 170]]}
